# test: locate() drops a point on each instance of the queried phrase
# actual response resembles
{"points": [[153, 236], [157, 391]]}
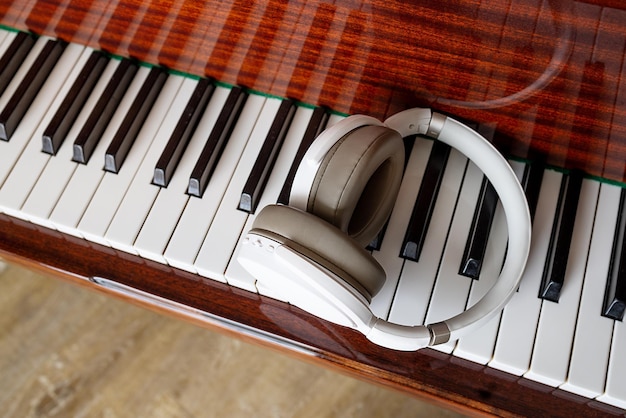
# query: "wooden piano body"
{"points": [[546, 75]]}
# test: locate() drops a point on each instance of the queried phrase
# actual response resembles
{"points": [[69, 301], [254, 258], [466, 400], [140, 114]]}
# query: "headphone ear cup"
{"points": [[356, 186], [323, 244]]}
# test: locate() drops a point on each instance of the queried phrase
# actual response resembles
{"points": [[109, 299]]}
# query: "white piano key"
{"points": [[113, 187], [235, 274], [85, 180], [6, 37], [557, 322], [224, 232], [11, 150], [416, 282], [451, 290], [170, 202], [518, 325], [479, 346], [59, 170], [198, 215], [592, 341], [615, 390], [32, 162], [140, 196]]}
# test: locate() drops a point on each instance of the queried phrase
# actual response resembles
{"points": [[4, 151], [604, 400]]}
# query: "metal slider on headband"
{"points": [[439, 333], [436, 125]]}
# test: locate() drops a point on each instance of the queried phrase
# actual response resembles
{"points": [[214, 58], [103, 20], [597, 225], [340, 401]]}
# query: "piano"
{"points": [[140, 138]]}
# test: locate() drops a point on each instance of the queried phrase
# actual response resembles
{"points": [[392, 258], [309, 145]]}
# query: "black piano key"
{"points": [[65, 116], [101, 115], [531, 182], [476, 245], [182, 134], [425, 203], [259, 174], [561, 237], [29, 87], [316, 125], [133, 121], [614, 303], [13, 57], [216, 142]]}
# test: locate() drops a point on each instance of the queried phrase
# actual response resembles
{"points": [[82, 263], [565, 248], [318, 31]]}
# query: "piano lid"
{"points": [[547, 74]]}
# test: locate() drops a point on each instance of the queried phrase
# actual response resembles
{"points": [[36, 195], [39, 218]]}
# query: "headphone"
{"points": [[312, 251]]}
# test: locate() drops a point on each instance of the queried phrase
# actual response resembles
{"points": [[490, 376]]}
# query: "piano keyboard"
{"points": [[179, 153]]}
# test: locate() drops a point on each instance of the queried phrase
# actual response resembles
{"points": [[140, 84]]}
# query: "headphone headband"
{"points": [[322, 292], [499, 172]]}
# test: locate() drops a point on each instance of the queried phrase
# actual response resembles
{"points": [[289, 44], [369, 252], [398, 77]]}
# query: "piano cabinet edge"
{"points": [[434, 377]]}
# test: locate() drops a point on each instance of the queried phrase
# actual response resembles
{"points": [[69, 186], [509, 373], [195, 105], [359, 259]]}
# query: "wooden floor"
{"points": [[70, 352]]}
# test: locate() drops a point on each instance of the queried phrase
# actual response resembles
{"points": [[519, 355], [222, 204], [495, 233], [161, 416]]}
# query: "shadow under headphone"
{"points": [[313, 251]]}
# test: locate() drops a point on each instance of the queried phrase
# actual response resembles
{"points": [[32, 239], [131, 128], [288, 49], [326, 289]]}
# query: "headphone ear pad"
{"points": [[323, 244], [356, 185]]}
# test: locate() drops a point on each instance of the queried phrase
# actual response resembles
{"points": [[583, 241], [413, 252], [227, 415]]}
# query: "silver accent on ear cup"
{"points": [[436, 125], [439, 333]]}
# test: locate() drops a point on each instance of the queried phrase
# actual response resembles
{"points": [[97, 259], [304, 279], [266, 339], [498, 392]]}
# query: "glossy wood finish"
{"points": [[547, 74]]}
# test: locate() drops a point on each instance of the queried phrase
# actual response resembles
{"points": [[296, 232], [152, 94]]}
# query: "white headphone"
{"points": [[312, 251]]}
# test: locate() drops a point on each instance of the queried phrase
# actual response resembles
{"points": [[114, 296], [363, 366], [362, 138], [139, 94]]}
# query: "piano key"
{"points": [[59, 170], [557, 321], [12, 150], [74, 101], [592, 339], [112, 190], [235, 274], [127, 133], [220, 134], [518, 325], [169, 159], [317, 124], [139, 197], [450, 293], [478, 347], [21, 101], [560, 241], [257, 179], [413, 285], [22, 70], [13, 57], [226, 227], [81, 187], [32, 162], [531, 182], [476, 245], [422, 211], [170, 202], [198, 215], [615, 390], [134, 120], [615, 290], [91, 133]]}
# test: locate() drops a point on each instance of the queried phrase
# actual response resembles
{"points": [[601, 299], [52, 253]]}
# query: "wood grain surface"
{"points": [[70, 352], [548, 76]]}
